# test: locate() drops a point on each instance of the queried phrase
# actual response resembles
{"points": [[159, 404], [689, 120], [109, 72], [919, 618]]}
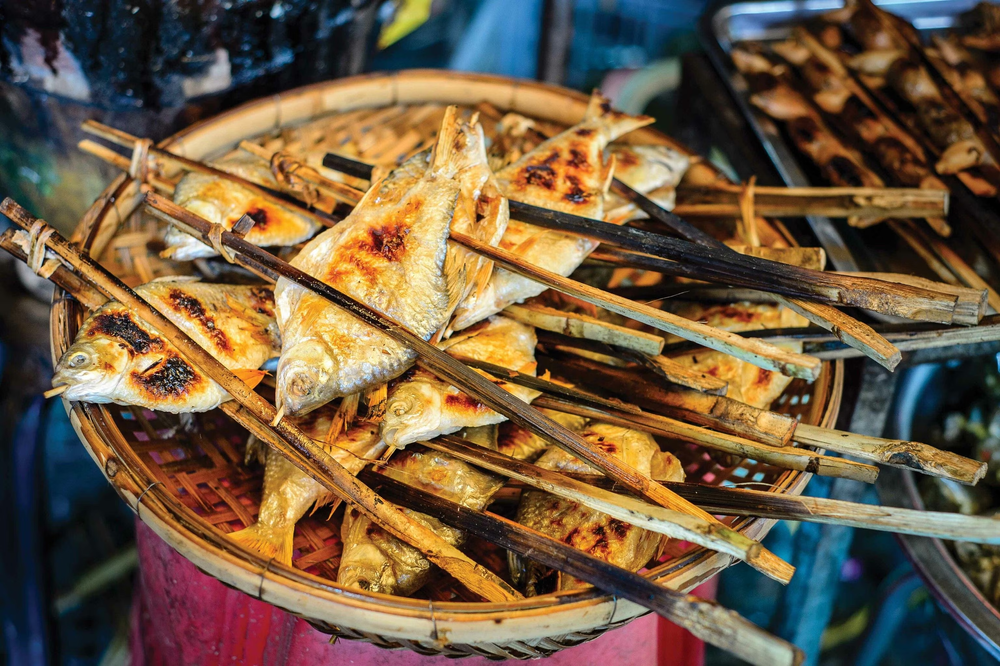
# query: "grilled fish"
{"points": [[376, 561], [389, 253], [521, 443], [118, 358], [224, 202], [422, 406], [289, 492], [591, 531], [565, 173], [651, 170]]}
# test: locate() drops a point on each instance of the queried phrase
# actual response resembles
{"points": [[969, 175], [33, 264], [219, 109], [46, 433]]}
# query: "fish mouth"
{"points": [[299, 389], [410, 416]]}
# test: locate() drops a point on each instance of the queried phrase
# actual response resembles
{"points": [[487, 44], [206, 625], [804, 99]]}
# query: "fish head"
{"points": [[92, 367], [412, 414], [305, 380]]}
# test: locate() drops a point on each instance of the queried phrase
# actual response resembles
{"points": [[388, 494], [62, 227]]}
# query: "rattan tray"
{"points": [[194, 489]]}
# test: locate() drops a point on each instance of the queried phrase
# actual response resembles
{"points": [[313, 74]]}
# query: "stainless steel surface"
{"points": [[932, 560], [726, 23]]}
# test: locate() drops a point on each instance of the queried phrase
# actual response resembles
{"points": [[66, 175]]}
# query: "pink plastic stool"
{"points": [[182, 617]]}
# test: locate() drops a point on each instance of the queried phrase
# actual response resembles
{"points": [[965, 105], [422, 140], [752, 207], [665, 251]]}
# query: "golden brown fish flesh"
{"points": [[591, 531], [224, 202], [565, 173], [422, 406], [118, 358], [289, 492], [377, 561], [389, 253]]}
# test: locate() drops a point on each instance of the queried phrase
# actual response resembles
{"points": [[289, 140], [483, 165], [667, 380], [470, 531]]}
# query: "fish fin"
{"points": [[609, 174], [448, 149], [347, 411], [375, 399], [250, 377], [267, 541]]}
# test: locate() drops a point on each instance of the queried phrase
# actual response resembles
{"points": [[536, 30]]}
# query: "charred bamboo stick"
{"points": [[780, 506], [689, 259], [451, 370], [849, 330], [705, 620], [284, 437], [760, 425], [787, 457], [623, 507], [713, 411], [126, 140], [663, 367], [867, 203], [766, 356], [581, 326], [63, 277], [895, 452]]}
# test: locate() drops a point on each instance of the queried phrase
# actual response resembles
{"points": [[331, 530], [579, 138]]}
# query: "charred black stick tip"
{"points": [[348, 166]]}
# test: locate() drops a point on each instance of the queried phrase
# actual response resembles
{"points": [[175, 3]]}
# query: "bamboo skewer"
{"points": [[447, 368], [781, 506], [126, 140], [663, 367], [766, 356], [623, 507], [706, 262], [285, 438], [787, 457], [706, 620], [866, 203], [581, 326], [89, 297], [895, 452]]}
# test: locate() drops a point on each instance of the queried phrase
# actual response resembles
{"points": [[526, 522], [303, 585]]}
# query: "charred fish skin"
{"points": [[376, 561], [591, 531], [117, 358], [389, 253], [566, 173], [422, 406], [224, 202], [288, 492]]}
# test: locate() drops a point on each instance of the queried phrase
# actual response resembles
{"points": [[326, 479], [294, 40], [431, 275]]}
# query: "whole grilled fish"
{"points": [[591, 531], [376, 561], [565, 173], [288, 492], [422, 406], [389, 253], [118, 358], [224, 202]]}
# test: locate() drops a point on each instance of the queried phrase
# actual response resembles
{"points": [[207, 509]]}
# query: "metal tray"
{"points": [[727, 22]]}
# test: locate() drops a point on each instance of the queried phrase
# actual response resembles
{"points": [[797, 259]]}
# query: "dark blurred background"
{"points": [[154, 66]]}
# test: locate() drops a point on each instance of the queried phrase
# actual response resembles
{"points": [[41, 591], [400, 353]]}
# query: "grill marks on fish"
{"points": [[191, 307], [171, 378], [121, 326], [561, 170]]}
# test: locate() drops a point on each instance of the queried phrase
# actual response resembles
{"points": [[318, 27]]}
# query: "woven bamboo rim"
{"points": [[524, 629]]}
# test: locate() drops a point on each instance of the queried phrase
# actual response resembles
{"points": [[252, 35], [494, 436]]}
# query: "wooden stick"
{"points": [[623, 507], [665, 368], [55, 390], [849, 330], [277, 198], [285, 438], [581, 326], [895, 453], [121, 162], [704, 262], [706, 620], [813, 258], [764, 356], [787, 457], [713, 411], [451, 370], [89, 297], [780, 506], [866, 203], [293, 167], [970, 303]]}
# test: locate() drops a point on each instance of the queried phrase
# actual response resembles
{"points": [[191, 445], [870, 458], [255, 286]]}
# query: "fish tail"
{"points": [[268, 541], [459, 145], [611, 123]]}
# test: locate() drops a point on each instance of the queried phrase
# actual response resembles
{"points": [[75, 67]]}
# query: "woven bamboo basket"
{"points": [[193, 489]]}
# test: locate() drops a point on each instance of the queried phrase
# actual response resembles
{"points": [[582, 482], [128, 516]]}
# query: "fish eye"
{"points": [[77, 360]]}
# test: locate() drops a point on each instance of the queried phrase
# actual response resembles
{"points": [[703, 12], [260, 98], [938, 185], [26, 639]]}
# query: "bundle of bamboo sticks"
{"points": [[663, 398]]}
